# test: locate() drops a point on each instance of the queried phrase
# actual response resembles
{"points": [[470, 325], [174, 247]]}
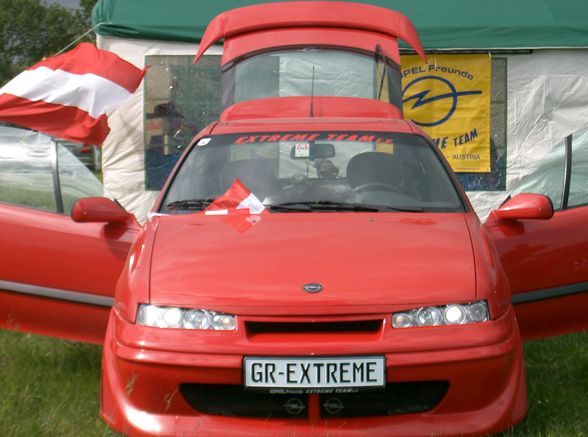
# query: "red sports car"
{"points": [[345, 285], [311, 267]]}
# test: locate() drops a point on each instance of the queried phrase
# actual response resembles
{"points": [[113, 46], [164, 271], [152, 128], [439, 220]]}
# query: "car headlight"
{"points": [[453, 314], [184, 318]]}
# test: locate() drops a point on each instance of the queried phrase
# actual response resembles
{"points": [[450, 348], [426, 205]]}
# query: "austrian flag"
{"points": [[69, 95], [239, 206], [237, 198]]}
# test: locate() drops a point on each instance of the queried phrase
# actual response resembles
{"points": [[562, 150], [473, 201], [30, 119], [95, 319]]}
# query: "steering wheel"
{"points": [[376, 186]]}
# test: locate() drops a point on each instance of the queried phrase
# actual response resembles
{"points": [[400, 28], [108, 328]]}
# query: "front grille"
{"points": [[234, 401], [397, 398], [354, 326]]}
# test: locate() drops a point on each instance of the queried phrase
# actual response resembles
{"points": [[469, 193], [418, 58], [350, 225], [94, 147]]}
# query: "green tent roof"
{"points": [[450, 24]]}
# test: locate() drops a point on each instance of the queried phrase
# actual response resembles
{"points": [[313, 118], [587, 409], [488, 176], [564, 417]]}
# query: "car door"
{"points": [[546, 260], [57, 277]]}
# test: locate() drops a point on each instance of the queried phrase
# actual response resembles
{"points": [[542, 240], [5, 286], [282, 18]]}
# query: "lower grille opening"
{"points": [[359, 326], [234, 401], [397, 398]]}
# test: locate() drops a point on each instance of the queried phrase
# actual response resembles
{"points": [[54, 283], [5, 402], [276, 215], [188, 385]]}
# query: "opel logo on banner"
{"points": [[313, 288], [444, 90]]}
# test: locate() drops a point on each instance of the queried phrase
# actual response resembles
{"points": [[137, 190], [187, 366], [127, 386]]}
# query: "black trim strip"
{"points": [[550, 293], [54, 293], [567, 172]]}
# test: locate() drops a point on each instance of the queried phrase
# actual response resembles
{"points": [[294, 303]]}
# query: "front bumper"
{"points": [[149, 372]]}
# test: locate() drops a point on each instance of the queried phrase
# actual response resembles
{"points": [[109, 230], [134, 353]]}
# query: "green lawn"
{"points": [[50, 387]]}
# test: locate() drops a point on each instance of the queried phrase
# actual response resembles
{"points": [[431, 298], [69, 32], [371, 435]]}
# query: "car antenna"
{"points": [[312, 94]]}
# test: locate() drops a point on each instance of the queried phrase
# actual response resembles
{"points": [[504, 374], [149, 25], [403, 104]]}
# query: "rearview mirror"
{"points": [[97, 210], [526, 207], [312, 151]]}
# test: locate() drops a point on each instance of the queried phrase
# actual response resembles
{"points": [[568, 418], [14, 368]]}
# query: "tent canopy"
{"points": [[452, 24]]}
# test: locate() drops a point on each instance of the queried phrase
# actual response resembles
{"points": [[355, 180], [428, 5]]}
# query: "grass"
{"points": [[557, 387], [51, 387]]}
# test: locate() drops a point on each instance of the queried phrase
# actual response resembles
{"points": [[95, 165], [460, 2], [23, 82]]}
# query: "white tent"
{"points": [[544, 94]]}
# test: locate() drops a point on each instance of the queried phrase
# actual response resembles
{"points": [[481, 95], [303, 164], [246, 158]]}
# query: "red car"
{"points": [[311, 267]]}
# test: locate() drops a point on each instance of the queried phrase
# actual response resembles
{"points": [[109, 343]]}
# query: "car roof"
{"points": [[314, 124], [304, 113]]}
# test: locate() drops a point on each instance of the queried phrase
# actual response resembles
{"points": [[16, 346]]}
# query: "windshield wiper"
{"points": [[189, 204], [325, 205]]}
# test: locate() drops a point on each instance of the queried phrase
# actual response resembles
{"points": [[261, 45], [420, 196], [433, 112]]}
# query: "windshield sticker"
{"points": [[302, 150], [203, 141], [385, 148], [310, 137]]}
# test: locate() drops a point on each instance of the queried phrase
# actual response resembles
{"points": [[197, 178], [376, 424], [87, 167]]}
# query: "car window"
{"points": [[548, 178], [579, 174], [28, 170], [26, 175], [312, 71], [391, 171], [75, 179]]}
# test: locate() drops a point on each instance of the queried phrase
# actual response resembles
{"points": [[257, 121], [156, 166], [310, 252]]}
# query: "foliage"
{"points": [[31, 30]]}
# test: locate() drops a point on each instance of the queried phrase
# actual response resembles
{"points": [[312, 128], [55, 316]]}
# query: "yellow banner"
{"points": [[450, 100]]}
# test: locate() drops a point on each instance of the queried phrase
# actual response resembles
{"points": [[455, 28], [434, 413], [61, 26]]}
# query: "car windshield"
{"points": [[316, 171]]}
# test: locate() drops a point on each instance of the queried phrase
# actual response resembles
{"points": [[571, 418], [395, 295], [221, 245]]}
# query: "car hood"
{"points": [[362, 260]]}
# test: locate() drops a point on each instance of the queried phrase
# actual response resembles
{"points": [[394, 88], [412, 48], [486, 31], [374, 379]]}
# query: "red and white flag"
{"points": [[69, 95], [239, 207], [237, 198]]}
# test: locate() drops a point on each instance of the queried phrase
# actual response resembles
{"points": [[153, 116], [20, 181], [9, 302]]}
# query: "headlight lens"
{"points": [[453, 314], [185, 318]]}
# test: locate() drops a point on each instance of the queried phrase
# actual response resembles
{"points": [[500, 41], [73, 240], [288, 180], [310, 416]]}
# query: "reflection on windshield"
{"points": [[317, 171]]}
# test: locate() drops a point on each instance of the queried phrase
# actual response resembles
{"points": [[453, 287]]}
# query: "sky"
{"points": [[72, 4]]}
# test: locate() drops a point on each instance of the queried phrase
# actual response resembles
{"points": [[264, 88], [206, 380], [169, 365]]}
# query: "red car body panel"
{"points": [[377, 254], [547, 260], [363, 40], [317, 16], [46, 255], [152, 404], [327, 108]]}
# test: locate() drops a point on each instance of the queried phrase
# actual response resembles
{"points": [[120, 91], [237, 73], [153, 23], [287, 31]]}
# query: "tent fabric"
{"points": [[546, 91], [454, 24]]}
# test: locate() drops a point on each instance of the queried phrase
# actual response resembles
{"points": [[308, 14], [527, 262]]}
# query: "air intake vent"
{"points": [[234, 401], [358, 326]]}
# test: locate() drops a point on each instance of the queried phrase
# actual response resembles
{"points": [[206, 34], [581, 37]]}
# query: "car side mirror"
{"points": [[98, 210], [526, 207]]}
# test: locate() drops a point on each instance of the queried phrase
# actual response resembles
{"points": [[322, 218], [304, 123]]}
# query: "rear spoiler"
{"points": [[342, 15]]}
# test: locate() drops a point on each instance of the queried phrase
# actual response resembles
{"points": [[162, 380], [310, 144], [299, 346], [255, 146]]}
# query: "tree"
{"points": [[31, 30]]}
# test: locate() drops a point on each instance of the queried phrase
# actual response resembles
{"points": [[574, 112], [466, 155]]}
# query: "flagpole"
{"points": [[77, 39]]}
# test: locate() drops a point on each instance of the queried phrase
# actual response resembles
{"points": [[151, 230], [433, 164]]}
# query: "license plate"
{"points": [[314, 375]]}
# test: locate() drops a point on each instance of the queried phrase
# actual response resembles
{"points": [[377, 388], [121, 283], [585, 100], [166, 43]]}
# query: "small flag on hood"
{"points": [[237, 197], [69, 95], [239, 207]]}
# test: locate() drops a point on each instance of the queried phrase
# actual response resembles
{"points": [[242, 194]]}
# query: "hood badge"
{"points": [[313, 288]]}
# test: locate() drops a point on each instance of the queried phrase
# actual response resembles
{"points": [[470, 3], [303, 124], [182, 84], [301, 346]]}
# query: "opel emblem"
{"points": [[294, 406], [313, 288], [333, 406]]}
